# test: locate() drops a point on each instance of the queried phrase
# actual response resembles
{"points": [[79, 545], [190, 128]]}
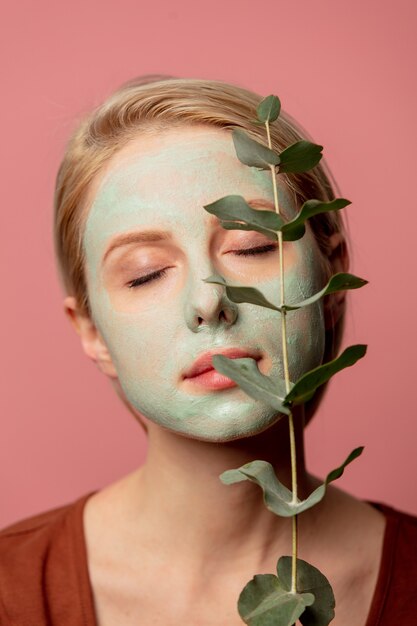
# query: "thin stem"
{"points": [[268, 134], [287, 377], [294, 553], [293, 459], [294, 500], [283, 310]]}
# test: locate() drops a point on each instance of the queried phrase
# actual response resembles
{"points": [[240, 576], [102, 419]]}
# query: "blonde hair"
{"points": [[153, 103]]}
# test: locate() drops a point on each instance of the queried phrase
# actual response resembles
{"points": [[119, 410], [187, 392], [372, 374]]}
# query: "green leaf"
{"points": [[259, 229], [246, 374], [234, 208], [253, 153], [309, 580], [337, 282], [318, 494], [295, 229], [265, 602], [269, 109], [262, 474], [294, 233], [277, 497], [242, 294], [300, 157], [305, 386]]}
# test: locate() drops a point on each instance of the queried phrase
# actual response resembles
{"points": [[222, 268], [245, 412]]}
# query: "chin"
{"points": [[224, 432]]}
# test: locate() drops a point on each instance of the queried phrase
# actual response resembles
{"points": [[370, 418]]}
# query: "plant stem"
{"points": [[283, 310], [294, 499], [287, 377]]}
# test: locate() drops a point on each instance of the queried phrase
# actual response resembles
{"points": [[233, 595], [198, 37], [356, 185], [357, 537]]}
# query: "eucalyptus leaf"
{"points": [[234, 208], [295, 229], [265, 602], [259, 229], [246, 374], [295, 232], [301, 156], [338, 282], [305, 386], [310, 580], [253, 153], [277, 497], [242, 294], [318, 494], [269, 109]]}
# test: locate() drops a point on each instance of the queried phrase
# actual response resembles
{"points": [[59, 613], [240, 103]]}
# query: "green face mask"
{"points": [[156, 330]]}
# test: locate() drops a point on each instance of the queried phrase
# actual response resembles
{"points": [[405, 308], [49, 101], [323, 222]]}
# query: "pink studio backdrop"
{"points": [[345, 70]]}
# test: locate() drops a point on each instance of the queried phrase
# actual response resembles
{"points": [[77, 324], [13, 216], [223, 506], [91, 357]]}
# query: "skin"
{"points": [[172, 530], [152, 331]]}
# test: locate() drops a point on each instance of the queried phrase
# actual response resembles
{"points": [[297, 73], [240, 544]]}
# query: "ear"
{"points": [[91, 340], [334, 304]]}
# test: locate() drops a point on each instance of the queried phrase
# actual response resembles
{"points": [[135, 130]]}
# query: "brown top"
{"points": [[44, 578]]}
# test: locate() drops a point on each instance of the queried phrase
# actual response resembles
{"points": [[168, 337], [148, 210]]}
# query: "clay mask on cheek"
{"points": [[162, 182]]}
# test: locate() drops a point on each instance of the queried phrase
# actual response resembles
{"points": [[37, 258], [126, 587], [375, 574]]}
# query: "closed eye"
{"points": [[137, 282], [259, 250], [146, 279]]}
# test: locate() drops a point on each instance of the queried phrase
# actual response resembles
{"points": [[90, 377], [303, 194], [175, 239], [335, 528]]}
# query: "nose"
{"points": [[208, 306]]}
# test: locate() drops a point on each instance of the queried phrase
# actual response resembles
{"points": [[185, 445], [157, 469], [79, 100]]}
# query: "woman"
{"points": [[169, 543]]}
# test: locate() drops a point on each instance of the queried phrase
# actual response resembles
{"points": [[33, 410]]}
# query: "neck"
{"points": [[179, 494]]}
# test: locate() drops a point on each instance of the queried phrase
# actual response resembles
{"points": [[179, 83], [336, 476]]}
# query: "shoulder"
{"points": [[400, 542], [33, 523], [397, 584], [405, 523], [38, 560], [34, 534], [401, 533]]}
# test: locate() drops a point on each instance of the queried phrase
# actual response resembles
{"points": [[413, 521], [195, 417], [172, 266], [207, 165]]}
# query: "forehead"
{"points": [[167, 177], [181, 160]]}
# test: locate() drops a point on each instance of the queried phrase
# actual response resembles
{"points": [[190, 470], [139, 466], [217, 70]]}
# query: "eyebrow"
{"points": [[152, 236], [143, 237]]}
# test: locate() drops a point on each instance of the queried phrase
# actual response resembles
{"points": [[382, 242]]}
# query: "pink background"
{"points": [[346, 71]]}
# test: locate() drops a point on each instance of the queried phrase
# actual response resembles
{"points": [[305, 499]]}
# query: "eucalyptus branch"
{"points": [[293, 448], [299, 591]]}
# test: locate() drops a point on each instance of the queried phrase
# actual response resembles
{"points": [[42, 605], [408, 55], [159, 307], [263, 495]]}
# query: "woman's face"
{"points": [[156, 329]]}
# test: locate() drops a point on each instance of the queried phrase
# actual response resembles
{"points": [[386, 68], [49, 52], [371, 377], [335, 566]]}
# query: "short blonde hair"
{"points": [[154, 103]]}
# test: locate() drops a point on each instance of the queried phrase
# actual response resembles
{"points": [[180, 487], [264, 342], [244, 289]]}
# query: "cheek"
{"points": [[306, 327], [306, 335], [140, 343], [304, 277]]}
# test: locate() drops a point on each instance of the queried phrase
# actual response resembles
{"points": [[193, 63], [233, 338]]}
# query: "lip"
{"points": [[204, 363]]}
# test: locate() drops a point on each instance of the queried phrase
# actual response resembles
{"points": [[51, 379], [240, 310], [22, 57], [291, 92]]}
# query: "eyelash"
{"points": [[146, 279], [161, 273], [270, 247]]}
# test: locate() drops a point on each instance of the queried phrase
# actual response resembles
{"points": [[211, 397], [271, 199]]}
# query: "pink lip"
{"points": [[203, 373], [212, 380]]}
